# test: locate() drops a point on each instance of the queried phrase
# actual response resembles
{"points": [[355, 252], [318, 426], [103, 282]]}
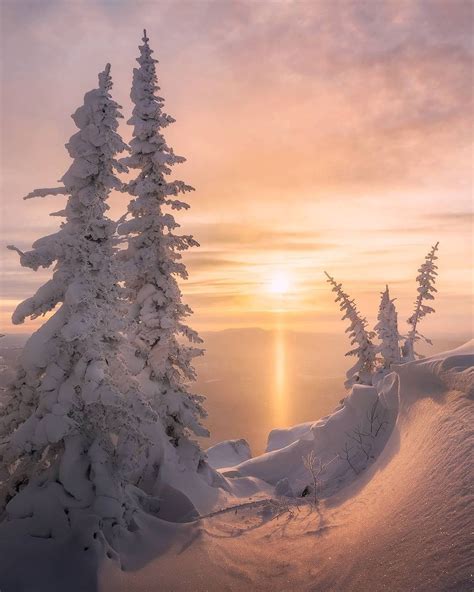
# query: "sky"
{"points": [[319, 135]]}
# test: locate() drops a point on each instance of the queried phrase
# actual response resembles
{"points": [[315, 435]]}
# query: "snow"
{"points": [[228, 453], [38, 350], [282, 437], [326, 438], [365, 351], [102, 484], [402, 523], [151, 265], [387, 333], [426, 291], [72, 401]]}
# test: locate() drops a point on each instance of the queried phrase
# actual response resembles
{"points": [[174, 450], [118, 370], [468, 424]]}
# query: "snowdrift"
{"points": [[400, 521], [402, 524], [228, 453], [407, 521], [345, 442]]}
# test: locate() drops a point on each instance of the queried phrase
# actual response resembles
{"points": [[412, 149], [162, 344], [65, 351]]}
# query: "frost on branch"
{"points": [[163, 346], [45, 192], [426, 280], [387, 332], [361, 338], [73, 429]]}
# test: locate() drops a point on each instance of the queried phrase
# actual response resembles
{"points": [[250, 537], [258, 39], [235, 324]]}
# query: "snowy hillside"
{"points": [[398, 521], [403, 524]]}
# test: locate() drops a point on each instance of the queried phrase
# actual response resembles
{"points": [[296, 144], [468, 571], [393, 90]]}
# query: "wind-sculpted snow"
{"points": [[403, 524], [350, 424], [359, 429], [453, 370], [282, 437], [228, 454]]}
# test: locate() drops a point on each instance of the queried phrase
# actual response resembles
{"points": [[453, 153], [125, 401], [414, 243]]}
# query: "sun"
{"points": [[279, 283]]}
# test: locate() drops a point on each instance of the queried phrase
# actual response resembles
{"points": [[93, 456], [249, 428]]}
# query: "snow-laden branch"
{"points": [[45, 299], [47, 191]]}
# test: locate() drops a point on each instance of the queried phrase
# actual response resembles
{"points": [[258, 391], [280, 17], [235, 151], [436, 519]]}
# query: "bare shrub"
{"points": [[315, 467]]}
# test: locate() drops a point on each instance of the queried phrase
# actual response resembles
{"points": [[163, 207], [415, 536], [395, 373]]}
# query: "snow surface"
{"points": [[326, 438], [228, 453], [402, 524]]}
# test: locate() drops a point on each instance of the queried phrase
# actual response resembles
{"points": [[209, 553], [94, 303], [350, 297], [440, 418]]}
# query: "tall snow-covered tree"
{"points": [[71, 436], [163, 344], [426, 280], [387, 331], [365, 350]]}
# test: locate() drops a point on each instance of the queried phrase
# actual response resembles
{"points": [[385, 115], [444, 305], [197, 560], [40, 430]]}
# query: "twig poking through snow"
{"points": [[316, 468]]}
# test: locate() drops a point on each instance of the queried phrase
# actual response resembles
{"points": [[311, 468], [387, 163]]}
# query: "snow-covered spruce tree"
{"points": [[387, 332], [163, 346], [71, 432], [365, 350], [426, 279]]}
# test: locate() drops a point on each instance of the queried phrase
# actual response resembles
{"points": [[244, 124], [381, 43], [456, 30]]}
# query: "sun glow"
{"points": [[279, 283]]}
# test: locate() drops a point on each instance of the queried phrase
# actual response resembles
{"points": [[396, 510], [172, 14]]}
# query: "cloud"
{"points": [[453, 217], [228, 236], [318, 134]]}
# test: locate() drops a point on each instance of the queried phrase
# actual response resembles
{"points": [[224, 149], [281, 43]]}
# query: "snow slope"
{"points": [[349, 429], [402, 525]]}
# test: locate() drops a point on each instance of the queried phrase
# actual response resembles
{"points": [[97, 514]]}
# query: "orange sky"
{"points": [[319, 135]]}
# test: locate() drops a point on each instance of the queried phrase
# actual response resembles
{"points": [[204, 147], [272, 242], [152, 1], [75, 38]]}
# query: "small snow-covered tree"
{"points": [[71, 436], [163, 346], [387, 331], [365, 350], [426, 280]]}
